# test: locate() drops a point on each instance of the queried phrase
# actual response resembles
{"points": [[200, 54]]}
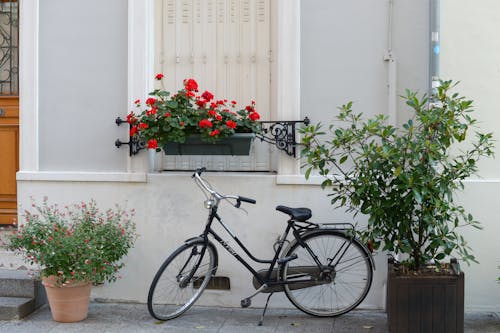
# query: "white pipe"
{"points": [[391, 71], [435, 44]]}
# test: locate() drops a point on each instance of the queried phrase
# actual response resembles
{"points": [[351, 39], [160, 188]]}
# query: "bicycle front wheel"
{"points": [[181, 279], [334, 289]]}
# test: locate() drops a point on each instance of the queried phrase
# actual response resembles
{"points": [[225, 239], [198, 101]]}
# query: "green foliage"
{"points": [[403, 178], [169, 117], [76, 243]]}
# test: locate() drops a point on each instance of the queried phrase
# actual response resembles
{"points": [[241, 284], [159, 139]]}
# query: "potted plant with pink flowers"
{"points": [[73, 247]]}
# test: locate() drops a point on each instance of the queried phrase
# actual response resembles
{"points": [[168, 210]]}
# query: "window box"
{"points": [[237, 144]]}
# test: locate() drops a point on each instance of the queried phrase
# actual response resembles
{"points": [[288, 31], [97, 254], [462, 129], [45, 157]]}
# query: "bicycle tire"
{"points": [[175, 287], [350, 279]]}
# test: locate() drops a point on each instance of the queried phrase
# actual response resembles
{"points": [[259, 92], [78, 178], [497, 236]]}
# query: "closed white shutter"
{"points": [[225, 46]]}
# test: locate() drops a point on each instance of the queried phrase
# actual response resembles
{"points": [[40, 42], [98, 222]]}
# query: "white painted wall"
{"points": [[343, 49], [82, 83], [470, 53], [85, 103], [170, 210]]}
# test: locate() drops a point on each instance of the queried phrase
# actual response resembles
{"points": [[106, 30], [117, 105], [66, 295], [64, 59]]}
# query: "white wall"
{"points": [[83, 83], [170, 210], [343, 49], [470, 53], [83, 88]]}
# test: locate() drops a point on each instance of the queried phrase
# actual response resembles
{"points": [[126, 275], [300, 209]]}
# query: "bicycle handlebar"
{"points": [[206, 187]]}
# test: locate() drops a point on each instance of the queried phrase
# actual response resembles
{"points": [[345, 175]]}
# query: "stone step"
{"points": [[20, 294], [17, 283], [16, 307]]}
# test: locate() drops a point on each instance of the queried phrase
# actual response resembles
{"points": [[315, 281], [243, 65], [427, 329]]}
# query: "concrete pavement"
{"points": [[121, 317]]}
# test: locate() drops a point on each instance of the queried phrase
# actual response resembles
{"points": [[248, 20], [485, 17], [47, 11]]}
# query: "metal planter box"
{"points": [[237, 144], [427, 304]]}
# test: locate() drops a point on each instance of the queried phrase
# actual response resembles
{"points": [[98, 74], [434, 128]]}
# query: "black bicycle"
{"points": [[323, 269]]}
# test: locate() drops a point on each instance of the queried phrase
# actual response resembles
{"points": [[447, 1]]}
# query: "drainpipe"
{"points": [[435, 46], [392, 70]]}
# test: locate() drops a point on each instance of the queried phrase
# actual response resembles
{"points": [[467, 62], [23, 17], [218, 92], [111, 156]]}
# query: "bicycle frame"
{"points": [[267, 281]]}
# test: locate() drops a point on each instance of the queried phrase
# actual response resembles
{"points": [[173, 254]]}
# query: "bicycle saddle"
{"points": [[299, 214]]}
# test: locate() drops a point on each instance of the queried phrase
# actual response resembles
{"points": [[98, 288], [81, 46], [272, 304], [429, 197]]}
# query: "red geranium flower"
{"points": [[231, 124], [152, 144], [254, 116], [143, 126], [159, 76], [191, 85], [131, 119], [205, 123], [151, 101], [207, 95], [133, 130], [215, 132]]}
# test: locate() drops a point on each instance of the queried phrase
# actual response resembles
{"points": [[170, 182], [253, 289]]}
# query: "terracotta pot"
{"points": [[69, 303]]}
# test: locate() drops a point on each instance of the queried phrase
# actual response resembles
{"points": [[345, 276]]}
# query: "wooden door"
{"points": [[9, 155], [9, 110]]}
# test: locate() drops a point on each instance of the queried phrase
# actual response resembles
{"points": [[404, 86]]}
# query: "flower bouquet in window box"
{"points": [[190, 123]]}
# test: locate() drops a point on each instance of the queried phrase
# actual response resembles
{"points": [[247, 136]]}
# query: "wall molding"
{"points": [[60, 176], [28, 85]]}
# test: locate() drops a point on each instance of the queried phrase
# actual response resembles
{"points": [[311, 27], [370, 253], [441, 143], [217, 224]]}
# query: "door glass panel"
{"points": [[9, 48]]}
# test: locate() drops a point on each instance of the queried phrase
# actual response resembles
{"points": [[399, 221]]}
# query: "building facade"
{"points": [[82, 64]]}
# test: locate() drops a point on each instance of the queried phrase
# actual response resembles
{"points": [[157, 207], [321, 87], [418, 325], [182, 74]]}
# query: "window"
{"points": [[226, 46]]}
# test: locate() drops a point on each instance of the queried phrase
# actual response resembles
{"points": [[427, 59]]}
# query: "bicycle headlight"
{"points": [[209, 203]]}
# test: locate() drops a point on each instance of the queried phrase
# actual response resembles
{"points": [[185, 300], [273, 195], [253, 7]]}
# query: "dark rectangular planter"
{"points": [[425, 304], [238, 144]]}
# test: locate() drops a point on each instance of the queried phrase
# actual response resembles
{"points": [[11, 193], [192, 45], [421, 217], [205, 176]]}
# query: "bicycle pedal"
{"points": [[246, 302], [283, 260]]}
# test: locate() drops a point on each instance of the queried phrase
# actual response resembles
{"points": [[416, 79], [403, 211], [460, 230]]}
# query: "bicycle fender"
{"points": [[202, 240]]}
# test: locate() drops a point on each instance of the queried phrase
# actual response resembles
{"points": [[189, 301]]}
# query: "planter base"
{"points": [[238, 144], [430, 304], [69, 303]]}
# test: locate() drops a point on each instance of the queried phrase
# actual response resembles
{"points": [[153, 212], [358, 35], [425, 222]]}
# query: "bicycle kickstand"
{"points": [[265, 308]]}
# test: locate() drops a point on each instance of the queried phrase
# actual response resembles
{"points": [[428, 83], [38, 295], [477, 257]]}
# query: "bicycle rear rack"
{"points": [[337, 226]]}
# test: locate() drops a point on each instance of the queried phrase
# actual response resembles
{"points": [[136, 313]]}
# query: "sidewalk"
{"points": [[134, 318]]}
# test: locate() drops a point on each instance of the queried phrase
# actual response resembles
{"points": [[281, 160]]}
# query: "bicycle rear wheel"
{"points": [[332, 291], [181, 279]]}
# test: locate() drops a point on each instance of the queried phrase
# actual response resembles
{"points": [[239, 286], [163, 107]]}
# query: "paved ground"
{"points": [[108, 317]]}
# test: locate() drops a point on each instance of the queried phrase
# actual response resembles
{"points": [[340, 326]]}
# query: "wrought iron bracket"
{"points": [[279, 133], [282, 134], [134, 143]]}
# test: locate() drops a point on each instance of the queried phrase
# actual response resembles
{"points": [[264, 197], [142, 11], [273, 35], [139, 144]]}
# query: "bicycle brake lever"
{"points": [[238, 205]]}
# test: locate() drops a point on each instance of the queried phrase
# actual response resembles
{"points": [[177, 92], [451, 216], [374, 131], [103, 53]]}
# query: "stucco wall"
{"points": [[470, 53], [83, 88], [170, 210], [344, 44], [83, 83]]}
